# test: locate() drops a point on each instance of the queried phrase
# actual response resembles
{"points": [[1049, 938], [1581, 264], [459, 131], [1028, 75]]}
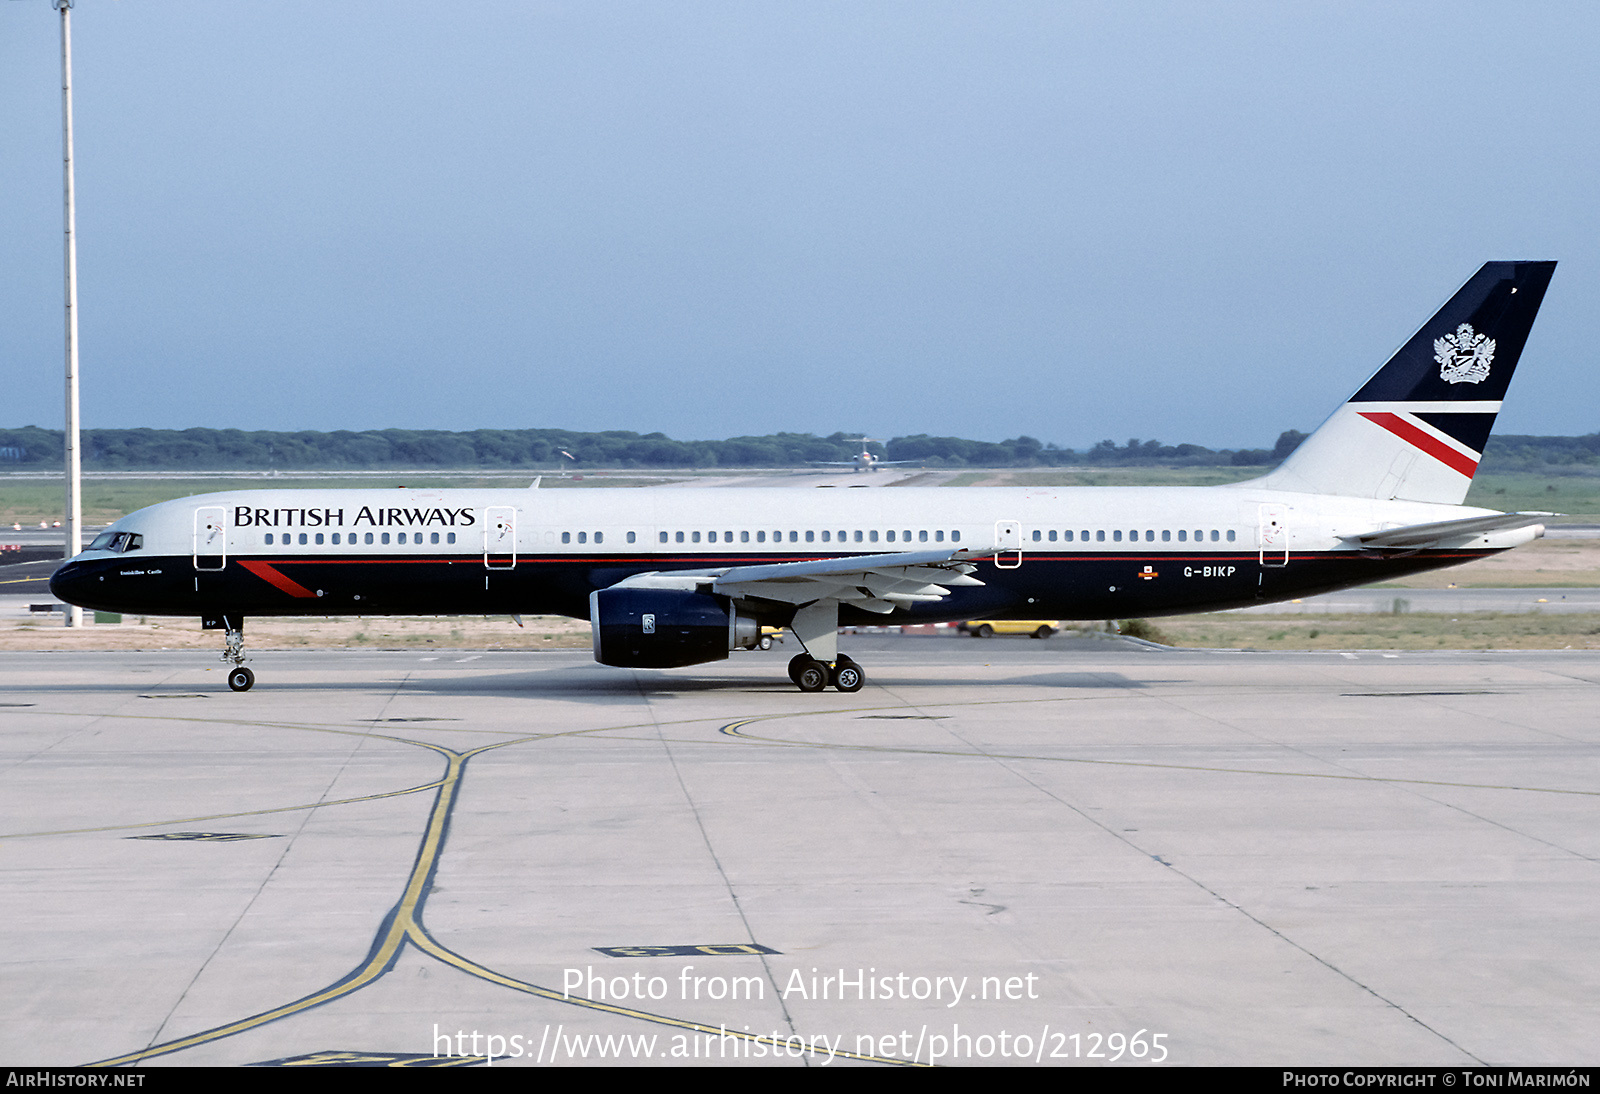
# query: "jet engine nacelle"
{"points": [[666, 628]]}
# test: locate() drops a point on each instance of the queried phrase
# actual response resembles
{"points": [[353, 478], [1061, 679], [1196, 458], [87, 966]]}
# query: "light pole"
{"points": [[74, 466]]}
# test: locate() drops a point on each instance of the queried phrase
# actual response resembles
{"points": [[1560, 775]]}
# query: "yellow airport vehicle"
{"points": [[987, 628]]}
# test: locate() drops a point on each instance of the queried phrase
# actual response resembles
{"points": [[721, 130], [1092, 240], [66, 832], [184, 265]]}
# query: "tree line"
{"points": [[405, 449]]}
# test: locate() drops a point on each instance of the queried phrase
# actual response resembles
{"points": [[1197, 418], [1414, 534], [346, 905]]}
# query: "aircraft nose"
{"points": [[68, 583]]}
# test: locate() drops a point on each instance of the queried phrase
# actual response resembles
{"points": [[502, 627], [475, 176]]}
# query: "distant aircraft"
{"points": [[865, 460], [679, 577]]}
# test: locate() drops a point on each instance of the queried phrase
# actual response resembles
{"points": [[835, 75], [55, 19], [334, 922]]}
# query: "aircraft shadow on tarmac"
{"points": [[584, 684]]}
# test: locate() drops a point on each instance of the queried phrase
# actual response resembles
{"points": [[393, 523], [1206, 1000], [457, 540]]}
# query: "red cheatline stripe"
{"points": [[1456, 461], [267, 572]]}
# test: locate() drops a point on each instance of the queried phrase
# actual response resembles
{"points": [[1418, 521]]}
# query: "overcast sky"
{"points": [[1202, 222]]}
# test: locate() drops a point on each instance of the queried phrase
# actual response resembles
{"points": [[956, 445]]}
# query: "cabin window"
{"points": [[434, 538], [727, 537], [1183, 535], [583, 537], [955, 537], [1166, 535], [744, 537], [922, 536], [599, 537], [827, 536], [92, 547], [319, 538], [761, 537], [794, 537], [890, 535], [369, 537], [1038, 536], [678, 537], [872, 536], [566, 537], [1214, 535], [1067, 535], [694, 537], [632, 537], [302, 537], [385, 537], [1052, 535], [1230, 535], [449, 537], [811, 536], [1117, 536], [1149, 535], [938, 535]]}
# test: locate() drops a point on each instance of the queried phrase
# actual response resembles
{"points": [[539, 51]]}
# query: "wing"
{"points": [[874, 583]]}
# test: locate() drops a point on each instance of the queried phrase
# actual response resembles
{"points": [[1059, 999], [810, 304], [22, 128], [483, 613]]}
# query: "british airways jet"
{"points": [[670, 578]]}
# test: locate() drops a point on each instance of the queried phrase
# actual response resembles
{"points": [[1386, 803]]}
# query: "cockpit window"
{"points": [[117, 541]]}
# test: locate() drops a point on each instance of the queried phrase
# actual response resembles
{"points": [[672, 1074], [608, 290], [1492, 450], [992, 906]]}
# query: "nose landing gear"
{"points": [[232, 628]]}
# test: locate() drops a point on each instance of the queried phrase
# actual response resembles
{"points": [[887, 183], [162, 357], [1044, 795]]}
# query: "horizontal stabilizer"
{"points": [[1417, 536]]}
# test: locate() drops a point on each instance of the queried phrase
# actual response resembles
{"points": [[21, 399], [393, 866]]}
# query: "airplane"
{"points": [[672, 578], [865, 460]]}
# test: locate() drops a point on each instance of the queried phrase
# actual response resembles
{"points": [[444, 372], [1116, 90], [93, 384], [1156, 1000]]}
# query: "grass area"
{"points": [[1542, 564], [420, 633], [1139, 476], [1577, 497], [1378, 631], [27, 501], [1115, 476]]}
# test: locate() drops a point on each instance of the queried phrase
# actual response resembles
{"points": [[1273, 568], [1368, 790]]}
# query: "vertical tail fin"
{"points": [[1417, 429]]}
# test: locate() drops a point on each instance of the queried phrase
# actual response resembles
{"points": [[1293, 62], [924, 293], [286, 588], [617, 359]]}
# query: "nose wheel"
{"points": [[232, 628], [810, 674]]}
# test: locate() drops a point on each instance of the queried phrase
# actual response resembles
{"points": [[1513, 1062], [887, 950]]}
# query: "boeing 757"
{"points": [[670, 578]]}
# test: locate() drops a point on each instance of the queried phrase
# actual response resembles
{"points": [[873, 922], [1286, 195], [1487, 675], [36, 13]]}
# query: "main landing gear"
{"points": [[816, 625], [232, 628], [809, 674]]}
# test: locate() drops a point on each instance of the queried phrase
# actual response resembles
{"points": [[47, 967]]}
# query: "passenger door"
{"points": [[1008, 538], [210, 538], [500, 537], [1273, 535]]}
